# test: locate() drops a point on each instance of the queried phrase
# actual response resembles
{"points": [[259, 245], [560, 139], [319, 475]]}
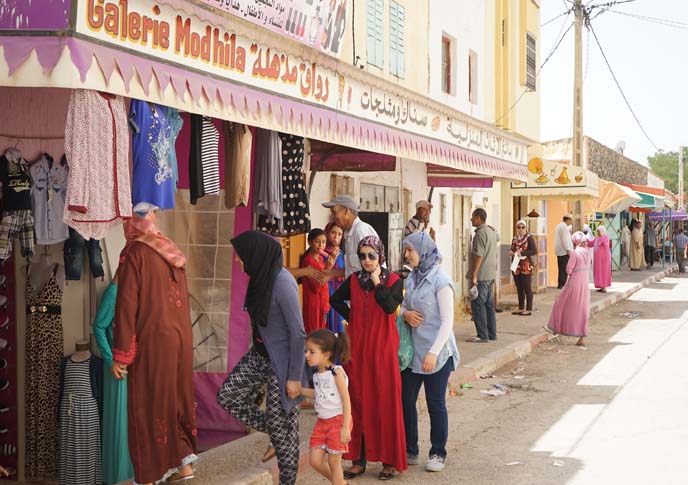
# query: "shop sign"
{"points": [[34, 15], [551, 174], [319, 24], [161, 32]]}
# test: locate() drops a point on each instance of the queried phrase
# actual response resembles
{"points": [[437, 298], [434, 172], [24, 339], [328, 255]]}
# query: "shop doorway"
{"points": [[462, 239]]}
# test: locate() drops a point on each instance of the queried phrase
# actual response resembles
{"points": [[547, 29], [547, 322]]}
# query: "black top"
{"points": [[389, 299], [16, 186]]}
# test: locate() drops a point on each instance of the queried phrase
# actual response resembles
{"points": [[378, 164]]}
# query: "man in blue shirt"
{"points": [[680, 243]]}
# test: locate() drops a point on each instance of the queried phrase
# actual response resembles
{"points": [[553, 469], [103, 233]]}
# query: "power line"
{"points": [[665, 22], [623, 95], [555, 18], [537, 74]]}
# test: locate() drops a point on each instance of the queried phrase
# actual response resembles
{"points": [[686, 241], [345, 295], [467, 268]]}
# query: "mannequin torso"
{"points": [[83, 352]]}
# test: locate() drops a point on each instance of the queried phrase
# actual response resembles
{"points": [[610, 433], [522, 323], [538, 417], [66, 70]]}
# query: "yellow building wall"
{"points": [[416, 77]]}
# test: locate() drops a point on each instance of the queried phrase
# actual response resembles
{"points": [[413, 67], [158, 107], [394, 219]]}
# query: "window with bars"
{"points": [[341, 185], [375, 26], [397, 19], [531, 61], [446, 64]]}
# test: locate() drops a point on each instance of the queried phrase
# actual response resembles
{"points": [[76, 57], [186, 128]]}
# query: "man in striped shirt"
{"points": [[420, 221]]}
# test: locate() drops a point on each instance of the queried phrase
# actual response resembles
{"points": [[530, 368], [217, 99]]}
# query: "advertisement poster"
{"points": [[319, 24]]}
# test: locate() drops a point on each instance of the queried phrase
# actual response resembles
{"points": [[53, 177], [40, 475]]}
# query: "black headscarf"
{"points": [[262, 258]]}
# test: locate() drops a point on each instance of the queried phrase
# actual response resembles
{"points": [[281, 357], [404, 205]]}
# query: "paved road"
{"points": [[614, 412]]}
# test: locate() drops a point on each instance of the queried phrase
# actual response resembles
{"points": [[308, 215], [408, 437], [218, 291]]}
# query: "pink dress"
{"points": [[572, 307], [602, 263]]}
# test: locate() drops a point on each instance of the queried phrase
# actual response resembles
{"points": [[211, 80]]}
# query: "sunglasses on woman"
{"points": [[372, 256], [521, 227]]}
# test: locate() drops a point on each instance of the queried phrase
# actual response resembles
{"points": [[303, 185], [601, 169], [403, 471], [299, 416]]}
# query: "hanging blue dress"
{"points": [[176, 123], [153, 184]]}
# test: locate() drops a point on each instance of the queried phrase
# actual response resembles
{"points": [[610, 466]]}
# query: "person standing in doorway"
{"points": [[681, 243], [563, 246], [344, 211], [650, 242], [524, 246], [420, 221], [482, 271], [637, 259]]}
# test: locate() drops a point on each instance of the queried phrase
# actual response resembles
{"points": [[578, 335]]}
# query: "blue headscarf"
{"points": [[422, 243]]}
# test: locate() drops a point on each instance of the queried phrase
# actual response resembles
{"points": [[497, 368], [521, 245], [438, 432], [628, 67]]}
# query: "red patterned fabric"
{"points": [[126, 357], [145, 230]]}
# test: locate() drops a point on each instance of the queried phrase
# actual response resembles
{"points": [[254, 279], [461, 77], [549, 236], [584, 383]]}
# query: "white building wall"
{"points": [[464, 22]]}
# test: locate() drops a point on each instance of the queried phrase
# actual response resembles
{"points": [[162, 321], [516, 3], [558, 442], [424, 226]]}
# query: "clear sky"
{"points": [[650, 62]]}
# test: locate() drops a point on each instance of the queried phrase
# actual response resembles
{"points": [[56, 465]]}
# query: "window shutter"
{"points": [[375, 24], [401, 41], [393, 38], [379, 33], [531, 62]]}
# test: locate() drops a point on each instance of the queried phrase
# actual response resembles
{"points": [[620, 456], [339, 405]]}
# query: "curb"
{"points": [[470, 372]]}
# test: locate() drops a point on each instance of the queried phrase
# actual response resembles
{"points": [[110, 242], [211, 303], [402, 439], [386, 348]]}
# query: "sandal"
{"points": [[269, 454], [349, 475], [526, 314], [520, 312], [178, 477], [384, 476], [475, 339]]}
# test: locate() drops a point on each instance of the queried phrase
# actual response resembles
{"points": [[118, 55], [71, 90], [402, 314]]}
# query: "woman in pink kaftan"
{"points": [[572, 307], [602, 261]]}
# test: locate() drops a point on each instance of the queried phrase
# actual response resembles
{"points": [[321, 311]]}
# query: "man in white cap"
{"points": [[563, 246], [344, 210], [420, 221]]}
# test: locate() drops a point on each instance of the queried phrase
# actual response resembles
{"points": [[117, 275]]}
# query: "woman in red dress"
{"points": [[374, 377], [316, 296]]}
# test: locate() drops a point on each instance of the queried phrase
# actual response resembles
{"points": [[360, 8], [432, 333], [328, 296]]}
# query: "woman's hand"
{"points": [[119, 371], [429, 362], [345, 435], [375, 275], [413, 318], [511, 254], [293, 389]]}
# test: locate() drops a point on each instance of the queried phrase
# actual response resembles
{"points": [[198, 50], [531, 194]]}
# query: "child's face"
{"points": [[335, 236], [314, 356], [318, 244]]}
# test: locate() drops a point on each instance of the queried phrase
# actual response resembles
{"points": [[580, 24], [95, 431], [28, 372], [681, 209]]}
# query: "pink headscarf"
{"points": [[579, 239]]}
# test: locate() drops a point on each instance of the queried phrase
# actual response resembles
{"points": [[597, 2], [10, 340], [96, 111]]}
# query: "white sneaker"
{"points": [[434, 464]]}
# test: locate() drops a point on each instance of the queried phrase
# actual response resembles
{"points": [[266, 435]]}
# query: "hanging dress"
{"points": [[204, 163], [117, 465], [176, 122], [153, 180], [43, 350], [296, 218], [80, 460]]}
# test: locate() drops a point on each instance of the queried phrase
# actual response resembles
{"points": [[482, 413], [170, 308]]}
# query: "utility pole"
{"points": [[680, 178], [578, 11]]}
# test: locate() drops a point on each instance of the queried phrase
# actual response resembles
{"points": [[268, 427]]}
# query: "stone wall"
{"points": [[613, 166]]}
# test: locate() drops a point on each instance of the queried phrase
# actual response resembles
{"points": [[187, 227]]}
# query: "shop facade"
{"points": [[203, 61]]}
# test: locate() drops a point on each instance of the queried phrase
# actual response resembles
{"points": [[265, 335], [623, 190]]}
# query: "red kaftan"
{"points": [[316, 297], [375, 380]]}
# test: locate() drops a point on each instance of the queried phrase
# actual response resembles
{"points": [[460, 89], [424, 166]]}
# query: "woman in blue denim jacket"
{"points": [[428, 308]]}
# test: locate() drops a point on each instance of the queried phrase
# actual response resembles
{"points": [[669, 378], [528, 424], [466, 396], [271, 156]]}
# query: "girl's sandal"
{"points": [[178, 477]]}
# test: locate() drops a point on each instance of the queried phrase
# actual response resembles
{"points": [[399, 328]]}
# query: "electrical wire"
{"points": [[555, 18], [537, 74], [623, 95], [664, 22]]}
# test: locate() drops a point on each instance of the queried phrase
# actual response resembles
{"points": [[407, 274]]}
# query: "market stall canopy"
{"points": [[669, 215], [615, 198], [328, 157], [651, 198], [549, 179]]}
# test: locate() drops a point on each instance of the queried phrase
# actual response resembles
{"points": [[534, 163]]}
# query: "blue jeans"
{"points": [[435, 395], [74, 256], [484, 313]]}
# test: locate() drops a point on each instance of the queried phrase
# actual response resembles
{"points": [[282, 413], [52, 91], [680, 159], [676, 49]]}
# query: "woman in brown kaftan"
{"points": [[153, 347]]}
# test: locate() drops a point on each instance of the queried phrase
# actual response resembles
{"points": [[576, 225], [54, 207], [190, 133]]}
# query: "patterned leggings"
{"points": [[237, 396]]}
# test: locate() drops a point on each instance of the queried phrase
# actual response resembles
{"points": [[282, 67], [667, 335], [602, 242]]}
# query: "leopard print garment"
{"points": [[44, 351]]}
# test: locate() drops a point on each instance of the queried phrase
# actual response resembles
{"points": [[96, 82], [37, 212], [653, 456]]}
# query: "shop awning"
{"points": [[651, 198], [669, 216], [71, 62], [548, 179], [443, 177], [615, 198], [328, 157]]}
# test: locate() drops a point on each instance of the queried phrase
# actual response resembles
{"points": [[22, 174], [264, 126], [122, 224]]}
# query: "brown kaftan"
{"points": [[152, 335]]}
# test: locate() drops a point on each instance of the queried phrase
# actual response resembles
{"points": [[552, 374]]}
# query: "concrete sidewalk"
{"points": [[239, 462]]}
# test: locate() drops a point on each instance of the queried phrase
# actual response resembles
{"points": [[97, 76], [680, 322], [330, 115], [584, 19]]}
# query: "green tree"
{"points": [[665, 165]]}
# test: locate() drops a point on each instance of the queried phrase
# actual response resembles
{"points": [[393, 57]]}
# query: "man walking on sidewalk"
{"points": [[563, 245], [680, 243], [482, 271]]}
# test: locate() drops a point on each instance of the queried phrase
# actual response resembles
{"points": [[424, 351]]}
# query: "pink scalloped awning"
{"points": [[248, 105]]}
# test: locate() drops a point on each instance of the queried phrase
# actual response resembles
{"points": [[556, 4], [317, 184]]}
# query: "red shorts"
{"points": [[326, 435]]}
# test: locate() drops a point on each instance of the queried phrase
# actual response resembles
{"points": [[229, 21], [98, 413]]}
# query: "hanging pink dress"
{"points": [[602, 262], [572, 307]]}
